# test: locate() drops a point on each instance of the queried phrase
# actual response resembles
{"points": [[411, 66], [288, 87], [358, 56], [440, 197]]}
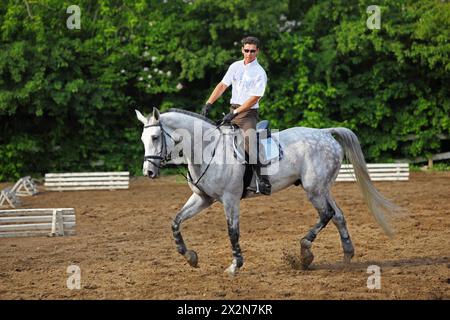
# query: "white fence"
{"points": [[87, 181], [37, 222], [377, 172]]}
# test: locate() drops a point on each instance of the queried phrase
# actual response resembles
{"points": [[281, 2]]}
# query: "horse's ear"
{"points": [[141, 117], [156, 114]]}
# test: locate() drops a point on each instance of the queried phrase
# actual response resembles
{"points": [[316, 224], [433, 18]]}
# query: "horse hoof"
{"points": [[348, 257], [306, 258], [231, 271], [192, 258], [305, 244]]}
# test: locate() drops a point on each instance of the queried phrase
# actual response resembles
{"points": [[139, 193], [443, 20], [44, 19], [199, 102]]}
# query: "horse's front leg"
{"points": [[194, 205], [231, 206]]}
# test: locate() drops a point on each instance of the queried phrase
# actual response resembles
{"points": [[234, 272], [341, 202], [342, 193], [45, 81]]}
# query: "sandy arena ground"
{"points": [[125, 250]]}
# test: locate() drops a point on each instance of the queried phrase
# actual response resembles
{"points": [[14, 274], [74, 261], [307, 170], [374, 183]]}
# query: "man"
{"points": [[248, 80]]}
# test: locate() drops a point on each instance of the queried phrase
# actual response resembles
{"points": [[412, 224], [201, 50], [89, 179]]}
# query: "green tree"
{"points": [[67, 96], [388, 85]]}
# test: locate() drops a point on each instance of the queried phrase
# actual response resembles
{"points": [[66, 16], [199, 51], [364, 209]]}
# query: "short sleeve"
{"points": [[228, 78]]}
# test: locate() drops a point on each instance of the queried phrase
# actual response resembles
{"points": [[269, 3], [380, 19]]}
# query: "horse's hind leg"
{"points": [[194, 205], [339, 222], [326, 212]]}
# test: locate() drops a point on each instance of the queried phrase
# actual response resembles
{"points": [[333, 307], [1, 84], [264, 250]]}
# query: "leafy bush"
{"points": [[67, 97]]}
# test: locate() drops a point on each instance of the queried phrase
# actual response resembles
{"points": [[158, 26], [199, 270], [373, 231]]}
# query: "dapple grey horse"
{"points": [[312, 157]]}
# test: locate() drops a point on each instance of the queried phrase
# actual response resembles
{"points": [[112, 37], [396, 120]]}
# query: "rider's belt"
{"points": [[235, 106]]}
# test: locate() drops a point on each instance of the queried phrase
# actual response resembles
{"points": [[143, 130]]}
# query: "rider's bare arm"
{"points": [[218, 91], [250, 102]]}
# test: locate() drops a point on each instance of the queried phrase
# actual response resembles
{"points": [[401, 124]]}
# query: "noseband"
{"points": [[163, 155]]}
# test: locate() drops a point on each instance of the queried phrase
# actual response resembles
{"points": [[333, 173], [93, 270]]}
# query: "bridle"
{"points": [[163, 155]]}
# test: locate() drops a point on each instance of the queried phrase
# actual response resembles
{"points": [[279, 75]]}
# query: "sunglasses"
{"points": [[248, 50]]}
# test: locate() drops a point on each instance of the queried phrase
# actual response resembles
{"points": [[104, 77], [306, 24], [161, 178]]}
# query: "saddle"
{"points": [[268, 151]]}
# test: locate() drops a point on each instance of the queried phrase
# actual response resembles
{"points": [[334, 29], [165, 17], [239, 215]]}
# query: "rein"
{"points": [[207, 167]]}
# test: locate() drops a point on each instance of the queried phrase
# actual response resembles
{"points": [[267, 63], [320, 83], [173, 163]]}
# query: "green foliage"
{"points": [[67, 97], [387, 85], [437, 167], [444, 166]]}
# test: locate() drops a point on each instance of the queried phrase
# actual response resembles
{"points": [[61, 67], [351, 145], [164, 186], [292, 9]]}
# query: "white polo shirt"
{"points": [[246, 80]]}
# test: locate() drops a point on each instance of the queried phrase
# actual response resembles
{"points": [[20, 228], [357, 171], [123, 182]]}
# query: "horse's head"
{"points": [[155, 143]]}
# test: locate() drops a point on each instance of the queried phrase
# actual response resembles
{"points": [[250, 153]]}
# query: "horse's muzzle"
{"points": [[150, 170], [151, 174]]}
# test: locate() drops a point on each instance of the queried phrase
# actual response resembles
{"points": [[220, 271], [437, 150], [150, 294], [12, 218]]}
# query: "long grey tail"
{"points": [[378, 205]]}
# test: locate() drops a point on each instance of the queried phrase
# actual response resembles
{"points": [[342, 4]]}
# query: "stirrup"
{"points": [[263, 187]]}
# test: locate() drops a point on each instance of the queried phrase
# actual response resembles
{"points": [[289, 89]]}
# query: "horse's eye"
{"points": [[154, 138]]}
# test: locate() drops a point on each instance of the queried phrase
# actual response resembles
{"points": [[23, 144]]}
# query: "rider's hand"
{"points": [[205, 109], [229, 117]]}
